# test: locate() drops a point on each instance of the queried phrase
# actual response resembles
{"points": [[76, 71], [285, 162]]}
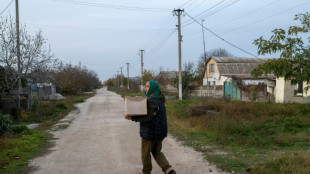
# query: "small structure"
{"points": [[287, 93], [165, 78], [42, 90]]}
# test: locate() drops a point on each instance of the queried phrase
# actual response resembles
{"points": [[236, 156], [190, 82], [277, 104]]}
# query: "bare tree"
{"points": [[218, 52], [73, 79], [35, 56]]}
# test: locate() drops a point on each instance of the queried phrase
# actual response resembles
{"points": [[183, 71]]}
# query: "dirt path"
{"points": [[100, 141]]}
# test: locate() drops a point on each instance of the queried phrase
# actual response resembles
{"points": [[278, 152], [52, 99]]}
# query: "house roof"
{"points": [[168, 74], [236, 66]]}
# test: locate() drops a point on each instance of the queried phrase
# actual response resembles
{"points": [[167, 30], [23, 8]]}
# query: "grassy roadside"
{"points": [[20, 144], [245, 137]]}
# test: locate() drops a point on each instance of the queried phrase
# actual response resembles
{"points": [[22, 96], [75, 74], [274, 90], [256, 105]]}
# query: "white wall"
{"points": [[219, 82], [284, 93]]}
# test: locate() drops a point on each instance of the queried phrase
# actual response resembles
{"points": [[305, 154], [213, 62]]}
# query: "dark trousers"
{"points": [[154, 147]]}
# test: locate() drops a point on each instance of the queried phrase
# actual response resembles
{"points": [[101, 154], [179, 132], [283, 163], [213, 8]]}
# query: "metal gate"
{"points": [[231, 90]]}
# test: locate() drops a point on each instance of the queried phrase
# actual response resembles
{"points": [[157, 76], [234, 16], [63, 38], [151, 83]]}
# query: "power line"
{"points": [[161, 44], [206, 10], [247, 14], [220, 9], [162, 30], [220, 37], [217, 9], [118, 7], [263, 19], [6, 7], [185, 3], [199, 5]]}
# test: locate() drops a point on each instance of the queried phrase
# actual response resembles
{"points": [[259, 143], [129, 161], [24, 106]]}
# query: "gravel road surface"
{"points": [[100, 141]]}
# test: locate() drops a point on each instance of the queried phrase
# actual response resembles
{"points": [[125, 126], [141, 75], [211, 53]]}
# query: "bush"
{"points": [[19, 129], [61, 106], [5, 125], [80, 100], [15, 113]]}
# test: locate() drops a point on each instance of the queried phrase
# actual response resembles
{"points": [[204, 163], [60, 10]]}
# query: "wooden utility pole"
{"points": [[127, 76], [18, 52], [179, 12], [141, 69]]}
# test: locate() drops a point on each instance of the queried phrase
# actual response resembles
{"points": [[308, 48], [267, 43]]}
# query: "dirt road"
{"points": [[100, 141]]}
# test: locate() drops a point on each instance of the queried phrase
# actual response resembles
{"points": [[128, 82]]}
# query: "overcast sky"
{"points": [[106, 34]]}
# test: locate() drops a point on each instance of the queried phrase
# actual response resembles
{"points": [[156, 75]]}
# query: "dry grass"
{"points": [[255, 130], [292, 163]]}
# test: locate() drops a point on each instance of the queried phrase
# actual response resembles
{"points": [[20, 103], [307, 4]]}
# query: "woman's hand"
{"points": [[128, 117]]}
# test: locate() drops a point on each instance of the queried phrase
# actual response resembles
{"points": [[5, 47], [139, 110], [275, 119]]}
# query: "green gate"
{"points": [[231, 90]]}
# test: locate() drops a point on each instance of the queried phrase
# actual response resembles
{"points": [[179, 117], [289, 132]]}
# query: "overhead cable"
{"points": [[118, 7], [247, 14], [220, 36], [156, 48], [6, 7]]}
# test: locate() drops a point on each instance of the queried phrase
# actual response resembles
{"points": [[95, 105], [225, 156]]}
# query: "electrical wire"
{"points": [[184, 4], [206, 10], [219, 36], [161, 44], [263, 19], [247, 14], [161, 31], [199, 5], [6, 7], [118, 7], [217, 9], [211, 13]]}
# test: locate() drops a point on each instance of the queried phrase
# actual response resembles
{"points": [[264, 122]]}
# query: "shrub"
{"points": [[15, 113], [80, 100], [5, 125], [198, 110], [61, 106], [19, 129]]}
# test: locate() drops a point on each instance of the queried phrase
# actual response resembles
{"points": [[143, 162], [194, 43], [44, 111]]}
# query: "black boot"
{"points": [[172, 172]]}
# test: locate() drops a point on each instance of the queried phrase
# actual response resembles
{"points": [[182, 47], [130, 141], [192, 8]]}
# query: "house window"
{"points": [[211, 68], [213, 82], [209, 83], [299, 89]]}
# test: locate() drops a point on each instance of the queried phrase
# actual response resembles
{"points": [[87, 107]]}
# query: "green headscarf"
{"points": [[154, 88]]}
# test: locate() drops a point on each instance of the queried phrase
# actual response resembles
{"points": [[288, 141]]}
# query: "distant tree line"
{"points": [[37, 63]]}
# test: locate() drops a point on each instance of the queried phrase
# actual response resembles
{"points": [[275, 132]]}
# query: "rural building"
{"points": [[287, 93], [233, 77], [165, 78]]}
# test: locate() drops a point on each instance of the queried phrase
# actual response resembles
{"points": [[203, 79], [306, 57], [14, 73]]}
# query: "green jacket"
{"points": [[152, 108]]}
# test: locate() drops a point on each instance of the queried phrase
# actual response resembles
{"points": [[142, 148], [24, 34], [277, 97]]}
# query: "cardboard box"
{"points": [[135, 106]]}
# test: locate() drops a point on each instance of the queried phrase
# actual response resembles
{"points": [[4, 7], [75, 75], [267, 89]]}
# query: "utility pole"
{"points": [[179, 12], [204, 54], [18, 52], [127, 76], [121, 76], [142, 69], [117, 79]]}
